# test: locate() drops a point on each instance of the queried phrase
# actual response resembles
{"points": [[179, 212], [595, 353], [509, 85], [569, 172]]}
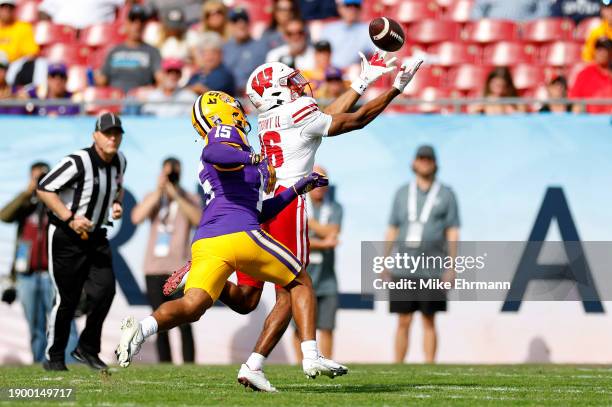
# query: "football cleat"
{"points": [[255, 379], [177, 280], [322, 367], [130, 342]]}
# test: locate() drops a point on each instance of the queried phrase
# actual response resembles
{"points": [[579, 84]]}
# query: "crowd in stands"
{"points": [[156, 52]]}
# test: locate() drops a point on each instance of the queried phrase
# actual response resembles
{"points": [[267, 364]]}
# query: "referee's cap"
{"points": [[107, 121]]}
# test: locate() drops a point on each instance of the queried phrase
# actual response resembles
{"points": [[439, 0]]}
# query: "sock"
{"points": [[255, 361], [148, 326], [309, 349]]}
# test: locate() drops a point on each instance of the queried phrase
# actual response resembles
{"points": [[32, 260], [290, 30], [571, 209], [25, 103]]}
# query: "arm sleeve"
{"points": [[224, 154], [452, 213], [317, 126], [11, 212], [272, 207], [60, 176]]}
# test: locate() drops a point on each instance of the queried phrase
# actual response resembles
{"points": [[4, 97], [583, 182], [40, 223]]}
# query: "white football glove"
{"points": [[372, 70], [405, 75]]}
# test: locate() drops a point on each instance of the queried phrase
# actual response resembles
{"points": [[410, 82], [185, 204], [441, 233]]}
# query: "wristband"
{"points": [[70, 218], [359, 85], [255, 158]]}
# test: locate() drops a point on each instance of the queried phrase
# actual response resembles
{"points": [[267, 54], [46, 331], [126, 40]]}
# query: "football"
{"points": [[387, 34]]}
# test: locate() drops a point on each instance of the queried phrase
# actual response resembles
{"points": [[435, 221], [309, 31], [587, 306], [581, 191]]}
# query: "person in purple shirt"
{"points": [[55, 89]]}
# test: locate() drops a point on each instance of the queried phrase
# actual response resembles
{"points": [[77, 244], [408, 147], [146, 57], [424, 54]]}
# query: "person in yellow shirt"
{"points": [[602, 30], [16, 37]]}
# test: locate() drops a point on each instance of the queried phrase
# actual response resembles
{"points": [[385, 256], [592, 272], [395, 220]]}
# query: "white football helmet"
{"points": [[274, 84]]}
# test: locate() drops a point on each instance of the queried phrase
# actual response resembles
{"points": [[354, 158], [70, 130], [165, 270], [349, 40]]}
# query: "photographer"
{"points": [[30, 267], [172, 213]]}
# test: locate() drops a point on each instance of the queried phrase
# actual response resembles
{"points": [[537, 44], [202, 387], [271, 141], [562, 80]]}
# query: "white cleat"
{"points": [[130, 342], [323, 367], [255, 379]]}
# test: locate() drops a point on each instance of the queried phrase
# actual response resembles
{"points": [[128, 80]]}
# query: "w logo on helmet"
{"points": [[262, 81]]}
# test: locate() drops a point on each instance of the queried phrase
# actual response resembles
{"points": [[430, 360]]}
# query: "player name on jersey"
{"points": [[268, 123]]}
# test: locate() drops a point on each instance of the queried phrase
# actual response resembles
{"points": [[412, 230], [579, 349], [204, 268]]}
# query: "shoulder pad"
{"points": [[302, 108]]}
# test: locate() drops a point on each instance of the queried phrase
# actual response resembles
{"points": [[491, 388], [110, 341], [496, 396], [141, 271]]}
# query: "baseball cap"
{"points": [[426, 151], [107, 121], [333, 73], [137, 12], [237, 14], [352, 2], [606, 3], [322, 45], [172, 64], [57, 69], [174, 19], [10, 2], [603, 42]]}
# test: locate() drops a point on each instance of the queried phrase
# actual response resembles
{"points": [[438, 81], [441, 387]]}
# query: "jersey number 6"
{"points": [[270, 141]]}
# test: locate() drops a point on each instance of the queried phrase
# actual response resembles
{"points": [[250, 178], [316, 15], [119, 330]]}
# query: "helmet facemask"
{"points": [[296, 83]]}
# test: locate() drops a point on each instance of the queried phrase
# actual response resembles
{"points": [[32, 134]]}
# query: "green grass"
{"points": [[457, 385]]}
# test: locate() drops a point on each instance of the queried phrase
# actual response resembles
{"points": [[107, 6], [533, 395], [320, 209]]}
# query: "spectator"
{"points": [[16, 37], [54, 89], [241, 53], [190, 8], [595, 80], [322, 61], [334, 85], [324, 221], [602, 30], [296, 53], [283, 11], [179, 101], [174, 43], [6, 92], [518, 10], [30, 266], [424, 221], [212, 74], [172, 213], [214, 18], [318, 9], [348, 36], [79, 14], [132, 63], [498, 85], [577, 10], [557, 89]]}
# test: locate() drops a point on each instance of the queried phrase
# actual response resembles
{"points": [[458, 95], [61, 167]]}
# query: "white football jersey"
{"points": [[290, 136]]}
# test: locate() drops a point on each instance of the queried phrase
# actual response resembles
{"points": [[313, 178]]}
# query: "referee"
{"points": [[79, 192]]}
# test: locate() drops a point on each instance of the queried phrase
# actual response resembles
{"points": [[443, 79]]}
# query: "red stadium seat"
{"points": [[430, 95], [509, 53], [454, 53], [468, 78], [77, 78], [528, 76], [585, 27], [459, 10], [562, 53], [46, 33], [410, 11], [548, 30], [489, 30], [92, 94], [258, 10], [428, 76], [97, 56], [98, 35], [434, 31], [27, 11], [69, 54]]}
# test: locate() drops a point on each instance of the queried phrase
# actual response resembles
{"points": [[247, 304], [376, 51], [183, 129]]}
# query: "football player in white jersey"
{"points": [[291, 128]]}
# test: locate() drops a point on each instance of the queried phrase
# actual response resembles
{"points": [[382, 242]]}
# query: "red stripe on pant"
{"points": [[291, 229]]}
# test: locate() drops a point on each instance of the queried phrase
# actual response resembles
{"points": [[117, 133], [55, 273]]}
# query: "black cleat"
{"points": [[54, 365], [91, 360]]}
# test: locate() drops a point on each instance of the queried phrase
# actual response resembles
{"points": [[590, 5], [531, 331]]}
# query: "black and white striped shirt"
{"points": [[86, 184]]}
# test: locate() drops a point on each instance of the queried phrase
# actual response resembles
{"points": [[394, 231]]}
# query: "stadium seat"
{"points": [[46, 33], [153, 33], [468, 78], [528, 76], [77, 78], [548, 30], [490, 30], [454, 53], [27, 11], [69, 54], [429, 95], [410, 11], [459, 10], [97, 56], [428, 76], [509, 53], [258, 10], [92, 94], [98, 35], [585, 27], [434, 31], [562, 53]]}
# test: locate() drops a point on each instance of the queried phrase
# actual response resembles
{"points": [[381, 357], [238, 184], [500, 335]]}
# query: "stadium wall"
{"points": [[499, 167]]}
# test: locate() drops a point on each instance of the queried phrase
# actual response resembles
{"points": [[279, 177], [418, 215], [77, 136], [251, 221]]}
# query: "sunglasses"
{"points": [[300, 33]]}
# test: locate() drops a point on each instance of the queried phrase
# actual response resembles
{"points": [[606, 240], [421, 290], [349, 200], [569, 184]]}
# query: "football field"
{"points": [[457, 385]]}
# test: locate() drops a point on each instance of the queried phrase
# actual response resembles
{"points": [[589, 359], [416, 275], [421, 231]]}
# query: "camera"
{"points": [[173, 177]]}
